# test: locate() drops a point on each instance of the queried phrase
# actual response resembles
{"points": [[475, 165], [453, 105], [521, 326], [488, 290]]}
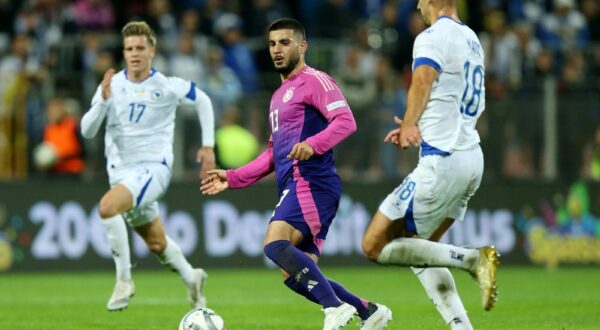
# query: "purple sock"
{"points": [[303, 270], [291, 283], [361, 305]]}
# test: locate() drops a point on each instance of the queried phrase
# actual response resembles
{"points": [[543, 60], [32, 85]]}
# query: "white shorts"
{"points": [[147, 182], [438, 188]]}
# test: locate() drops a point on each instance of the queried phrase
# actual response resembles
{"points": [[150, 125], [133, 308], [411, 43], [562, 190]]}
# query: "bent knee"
{"points": [[106, 209], [371, 249]]}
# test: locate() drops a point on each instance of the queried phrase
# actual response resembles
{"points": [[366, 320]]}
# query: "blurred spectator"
{"points": [[160, 19], [544, 63], [23, 81], [333, 20], [260, 13], [128, 10], [534, 10], [91, 48], [360, 90], [237, 54], [221, 84], [211, 11], [370, 55], [564, 27], [500, 45], [391, 102], [14, 88], [517, 161], [94, 14], [62, 136], [591, 11], [528, 48], [573, 70], [190, 23], [402, 61], [29, 22], [185, 62]]}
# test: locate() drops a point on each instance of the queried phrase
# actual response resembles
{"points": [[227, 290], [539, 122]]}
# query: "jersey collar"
{"points": [[453, 20], [152, 72]]}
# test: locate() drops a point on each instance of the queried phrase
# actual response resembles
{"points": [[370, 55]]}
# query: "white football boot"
{"points": [[195, 291], [120, 297], [337, 317], [378, 320]]}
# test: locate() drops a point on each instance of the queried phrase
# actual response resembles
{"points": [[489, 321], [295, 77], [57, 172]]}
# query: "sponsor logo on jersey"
{"points": [[288, 94]]}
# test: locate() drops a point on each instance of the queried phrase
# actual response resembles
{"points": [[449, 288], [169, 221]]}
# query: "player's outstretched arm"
{"points": [[214, 183], [206, 157]]}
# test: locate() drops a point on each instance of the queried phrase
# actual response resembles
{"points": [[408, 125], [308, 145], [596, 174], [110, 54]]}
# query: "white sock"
{"points": [[173, 258], [116, 233], [441, 289], [420, 252]]}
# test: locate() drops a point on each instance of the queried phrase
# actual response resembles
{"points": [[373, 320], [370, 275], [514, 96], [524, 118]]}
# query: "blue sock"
{"points": [[361, 305], [291, 283], [303, 270]]}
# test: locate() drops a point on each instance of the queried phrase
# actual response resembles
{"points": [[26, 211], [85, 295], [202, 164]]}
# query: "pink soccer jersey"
{"points": [[307, 107]]}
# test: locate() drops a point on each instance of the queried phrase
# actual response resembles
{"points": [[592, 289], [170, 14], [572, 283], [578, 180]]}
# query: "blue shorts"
{"points": [[310, 208]]}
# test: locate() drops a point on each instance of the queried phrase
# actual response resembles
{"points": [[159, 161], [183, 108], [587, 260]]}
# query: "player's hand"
{"points": [[214, 182], [405, 136], [409, 136], [301, 151], [393, 136], [106, 94], [206, 157]]}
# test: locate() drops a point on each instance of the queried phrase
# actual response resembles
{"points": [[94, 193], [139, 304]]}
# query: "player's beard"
{"points": [[290, 66]]}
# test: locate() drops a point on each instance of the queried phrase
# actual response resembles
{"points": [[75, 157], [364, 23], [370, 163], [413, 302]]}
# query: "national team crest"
{"points": [[288, 94], [156, 94]]}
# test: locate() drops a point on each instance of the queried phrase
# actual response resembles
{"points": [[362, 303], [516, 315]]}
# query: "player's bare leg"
{"points": [[116, 201], [379, 244], [170, 255], [410, 251]]}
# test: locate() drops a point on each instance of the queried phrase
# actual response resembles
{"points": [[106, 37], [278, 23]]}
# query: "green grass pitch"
{"points": [[530, 298]]}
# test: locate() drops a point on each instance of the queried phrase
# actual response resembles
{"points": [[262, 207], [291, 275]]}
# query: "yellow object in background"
{"points": [[236, 146]]}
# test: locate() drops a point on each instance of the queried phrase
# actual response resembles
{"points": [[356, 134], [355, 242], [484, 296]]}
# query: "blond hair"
{"points": [[139, 28]]}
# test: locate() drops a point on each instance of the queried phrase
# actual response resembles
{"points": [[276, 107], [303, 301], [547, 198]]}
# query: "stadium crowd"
{"points": [[58, 50]]}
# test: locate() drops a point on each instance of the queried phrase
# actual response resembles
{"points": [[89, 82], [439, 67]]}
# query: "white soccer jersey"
{"points": [[458, 96], [141, 117]]}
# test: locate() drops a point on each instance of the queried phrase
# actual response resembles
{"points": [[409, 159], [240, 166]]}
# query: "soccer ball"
{"points": [[202, 318], [44, 156]]}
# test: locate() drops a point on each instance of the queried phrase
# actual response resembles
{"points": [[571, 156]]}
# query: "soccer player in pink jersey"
{"points": [[308, 116]]}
